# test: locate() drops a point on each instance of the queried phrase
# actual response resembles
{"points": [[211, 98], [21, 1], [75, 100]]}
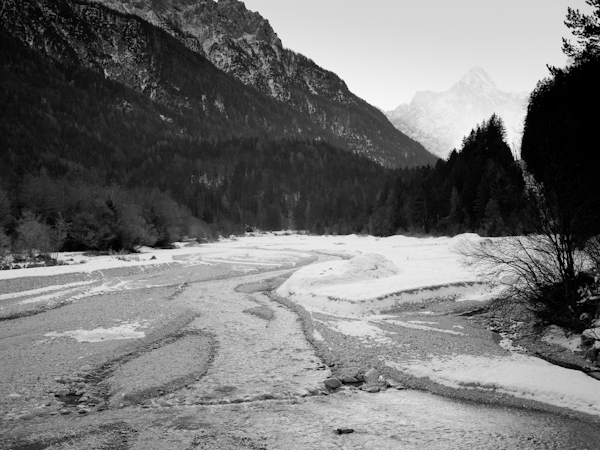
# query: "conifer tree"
{"points": [[586, 28]]}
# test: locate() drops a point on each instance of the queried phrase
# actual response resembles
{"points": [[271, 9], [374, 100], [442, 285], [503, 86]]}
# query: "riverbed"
{"points": [[197, 350]]}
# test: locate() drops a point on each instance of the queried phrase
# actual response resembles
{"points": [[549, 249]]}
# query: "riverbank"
{"points": [[349, 355], [392, 307]]}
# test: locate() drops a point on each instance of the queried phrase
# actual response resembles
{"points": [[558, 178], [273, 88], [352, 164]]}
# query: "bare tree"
{"points": [[542, 271]]}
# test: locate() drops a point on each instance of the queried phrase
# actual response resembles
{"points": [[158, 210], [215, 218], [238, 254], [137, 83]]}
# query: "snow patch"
{"points": [[416, 326], [556, 335], [359, 328], [127, 330], [43, 290]]}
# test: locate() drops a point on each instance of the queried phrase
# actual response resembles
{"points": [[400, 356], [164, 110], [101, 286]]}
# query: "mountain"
{"points": [[116, 169], [440, 120], [217, 62]]}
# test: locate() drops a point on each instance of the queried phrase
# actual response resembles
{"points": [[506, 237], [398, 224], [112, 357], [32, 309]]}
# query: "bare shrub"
{"points": [[540, 272]]}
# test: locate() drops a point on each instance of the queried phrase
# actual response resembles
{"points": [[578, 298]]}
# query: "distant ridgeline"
{"points": [[114, 163]]}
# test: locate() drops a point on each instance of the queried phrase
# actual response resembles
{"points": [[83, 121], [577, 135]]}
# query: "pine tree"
{"points": [[586, 28]]}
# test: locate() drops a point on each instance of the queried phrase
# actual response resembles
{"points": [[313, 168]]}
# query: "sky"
{"points": [[386, 50]]}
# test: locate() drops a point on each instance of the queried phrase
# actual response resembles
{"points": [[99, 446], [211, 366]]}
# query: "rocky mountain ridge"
{"points": [[122, 40], [239, 42], [440, 120], [243, 44]]}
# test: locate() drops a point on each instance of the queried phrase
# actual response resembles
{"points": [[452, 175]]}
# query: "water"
{"points": [[408, 420]]}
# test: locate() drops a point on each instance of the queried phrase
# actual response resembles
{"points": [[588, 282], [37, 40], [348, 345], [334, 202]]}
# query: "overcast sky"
{"points": [[386, 50]]}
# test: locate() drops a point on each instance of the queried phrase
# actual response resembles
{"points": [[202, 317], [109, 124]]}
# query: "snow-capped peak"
{"points": [[440, 120], [477, 78]]}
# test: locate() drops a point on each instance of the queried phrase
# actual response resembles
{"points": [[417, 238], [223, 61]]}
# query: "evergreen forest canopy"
{"points": [[87, 163]]}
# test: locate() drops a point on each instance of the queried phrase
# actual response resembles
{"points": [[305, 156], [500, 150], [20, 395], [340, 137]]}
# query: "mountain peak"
{"points": [[477, 78], [440, 120]]}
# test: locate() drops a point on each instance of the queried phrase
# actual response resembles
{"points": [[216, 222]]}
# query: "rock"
{"points": [[591, 354], [13, 395], [332, 383], [86, 368], [62, 392], [349, 380], [94, 400], [344, 430], [372, 375], [395, 384], [371, 389], [586, 342], [64, 411], [360, 377]]}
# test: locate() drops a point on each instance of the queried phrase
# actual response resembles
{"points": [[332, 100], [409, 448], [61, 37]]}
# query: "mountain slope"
{"points": [[114, 164], [130, 51], [440, 121], [274, 96], [243, 44]]}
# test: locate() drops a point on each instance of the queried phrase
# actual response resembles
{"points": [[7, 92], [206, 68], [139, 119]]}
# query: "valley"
{"points": [[208, 241]]}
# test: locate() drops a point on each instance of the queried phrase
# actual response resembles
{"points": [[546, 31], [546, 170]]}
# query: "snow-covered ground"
{"points": [[374, 275]]}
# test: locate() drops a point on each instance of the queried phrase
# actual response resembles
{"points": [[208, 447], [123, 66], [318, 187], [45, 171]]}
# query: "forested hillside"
{"points": [[212, 103], [89, 163], [93, 153]]}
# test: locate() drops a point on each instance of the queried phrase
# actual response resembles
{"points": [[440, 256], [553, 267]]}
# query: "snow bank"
{"points": [[384, 272], [463, 241], [518, 375], [336, 273], [340, 287]]}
